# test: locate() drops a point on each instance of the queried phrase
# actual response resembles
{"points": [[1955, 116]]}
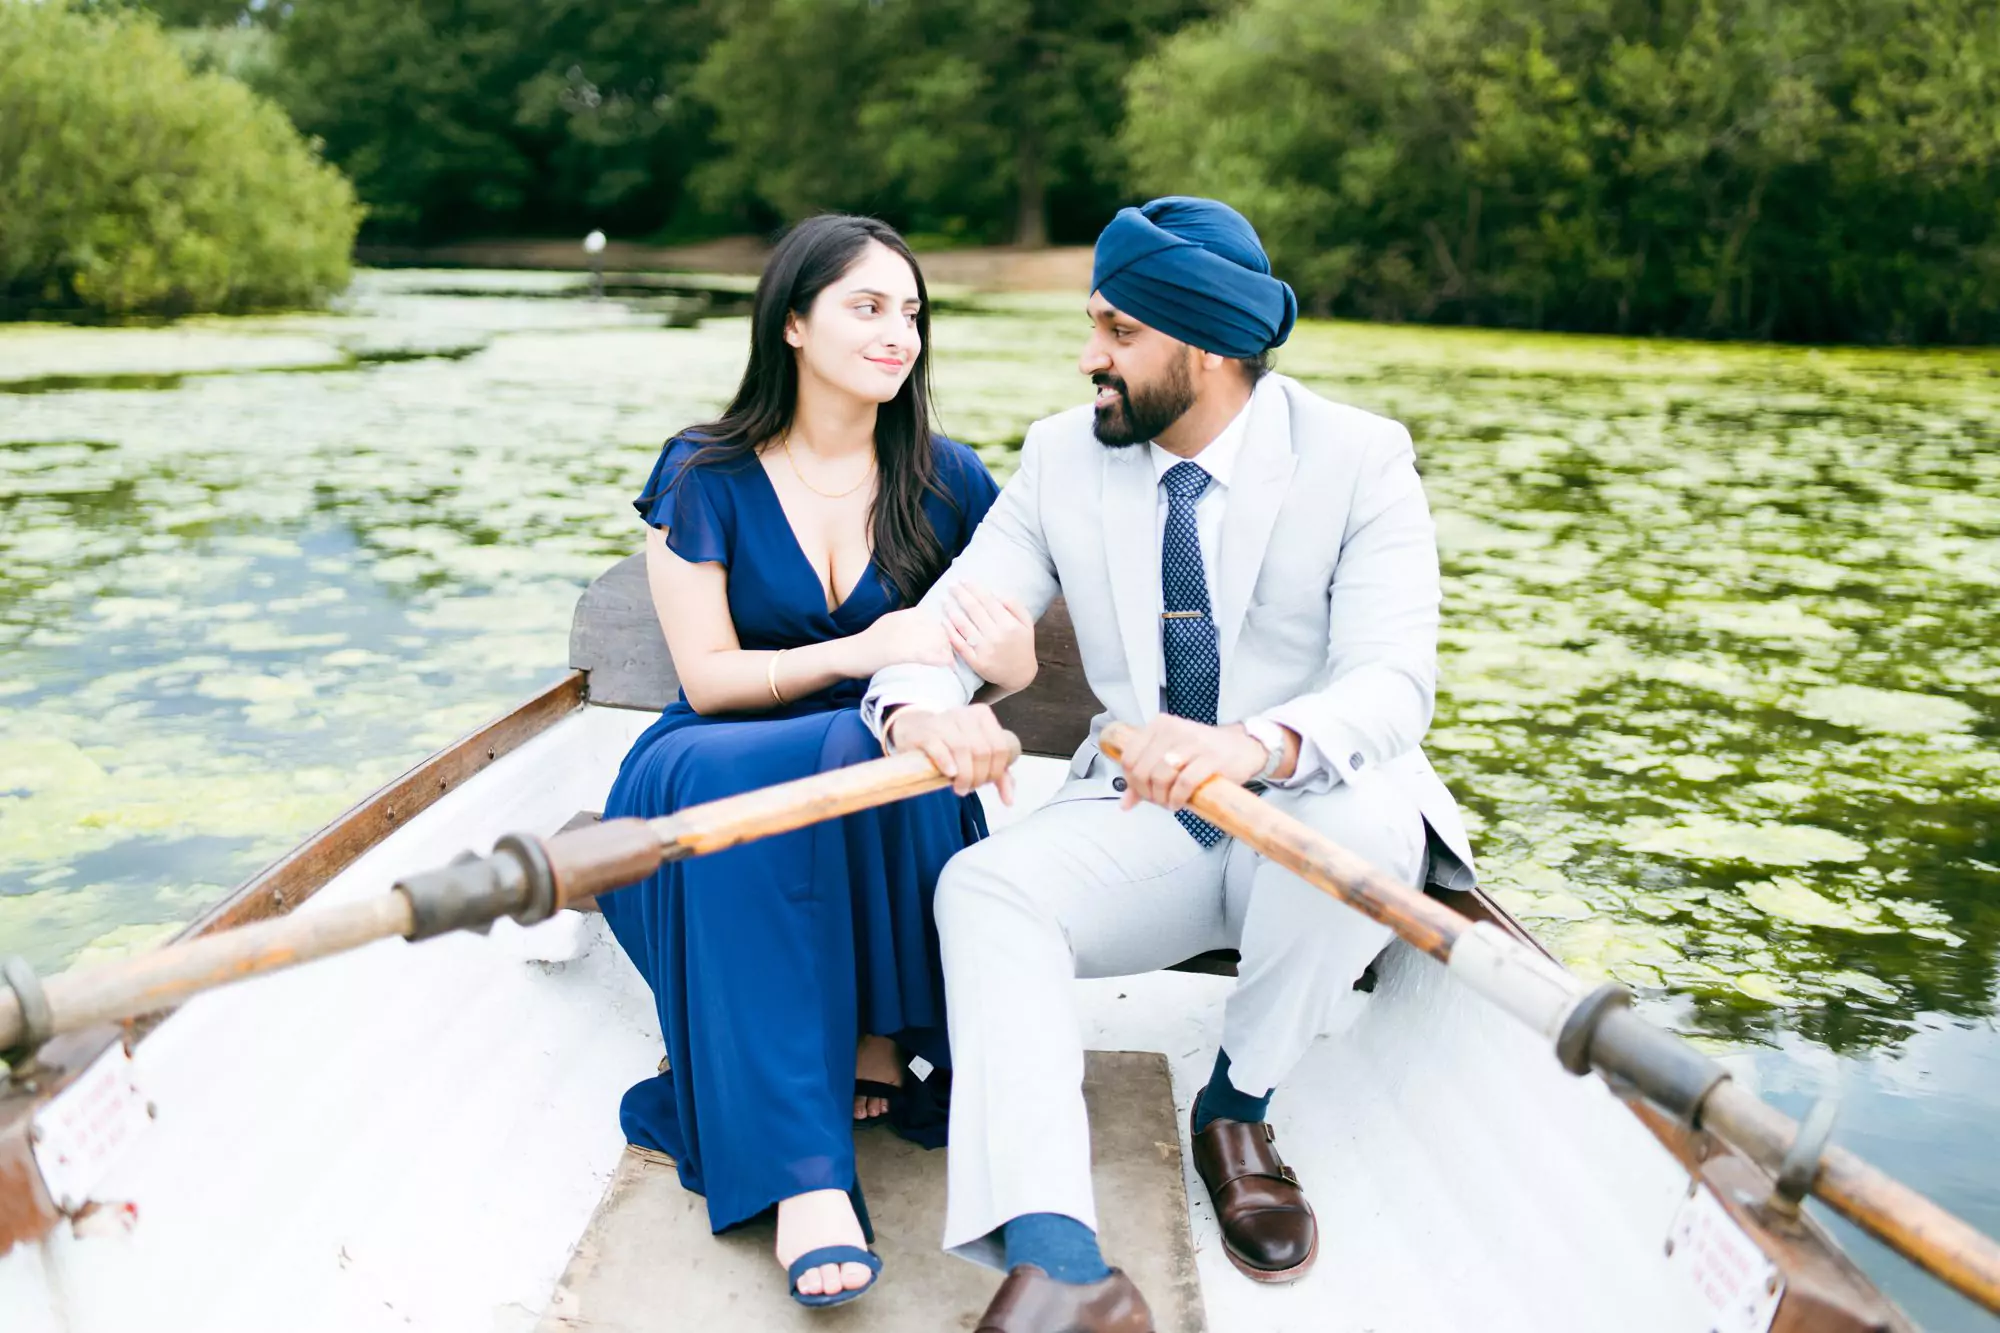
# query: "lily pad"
{"points": [[1790, 900], [1698, 767], [1861, 983], [1763, 987], [1707, 838], [1891, 712]]}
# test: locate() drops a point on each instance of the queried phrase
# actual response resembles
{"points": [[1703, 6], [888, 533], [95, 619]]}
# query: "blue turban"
{"points": [[1195, 270]]}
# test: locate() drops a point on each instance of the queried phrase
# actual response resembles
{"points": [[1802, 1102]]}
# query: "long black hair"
{"points": [[809, 259]]}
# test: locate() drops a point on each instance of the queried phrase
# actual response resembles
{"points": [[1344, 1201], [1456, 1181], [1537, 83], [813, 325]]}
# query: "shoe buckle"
{"points": [[1270, 1135], [1288, 1173]]}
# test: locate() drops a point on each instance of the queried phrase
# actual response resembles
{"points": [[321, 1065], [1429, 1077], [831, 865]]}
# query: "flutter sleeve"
{"points": [[690, 503], [972, 488]]}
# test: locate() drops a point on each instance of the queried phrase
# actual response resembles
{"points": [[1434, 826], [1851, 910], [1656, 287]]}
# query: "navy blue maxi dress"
{"points": [[769, 961]]}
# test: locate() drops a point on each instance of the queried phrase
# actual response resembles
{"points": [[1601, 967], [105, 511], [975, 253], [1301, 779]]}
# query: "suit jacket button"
{"points": [[1118, 784], [1355, 760]]}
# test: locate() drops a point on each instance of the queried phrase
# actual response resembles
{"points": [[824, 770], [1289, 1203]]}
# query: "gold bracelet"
{"points": [[771, 677]]}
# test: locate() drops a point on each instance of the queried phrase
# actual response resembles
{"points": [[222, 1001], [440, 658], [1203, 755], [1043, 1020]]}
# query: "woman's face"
{"points": [[861, 335]]}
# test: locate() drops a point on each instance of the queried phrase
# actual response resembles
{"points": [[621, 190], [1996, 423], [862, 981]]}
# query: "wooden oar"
{"points": [[1594, 1030], [526, 878]]}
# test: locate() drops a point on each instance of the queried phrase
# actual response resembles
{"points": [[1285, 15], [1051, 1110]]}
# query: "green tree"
{"points": [[206, 13], [456, 116], [129, 183], [993, 119], [1807, 169]]}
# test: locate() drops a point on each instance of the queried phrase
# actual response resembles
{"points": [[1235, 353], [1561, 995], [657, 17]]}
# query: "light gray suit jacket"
{"points": [[1325, 596]]}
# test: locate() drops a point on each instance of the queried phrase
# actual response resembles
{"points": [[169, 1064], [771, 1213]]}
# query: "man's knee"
{"points": [[961, 885], [978, 883], [1378, 826]]}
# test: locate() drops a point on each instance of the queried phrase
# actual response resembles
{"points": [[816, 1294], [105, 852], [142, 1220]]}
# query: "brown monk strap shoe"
{"points": [[1030, 1301], [1268, 1229]]}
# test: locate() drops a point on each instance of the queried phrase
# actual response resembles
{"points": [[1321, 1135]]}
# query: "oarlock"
{"points": [[1800, 1168], [37, 1019]]}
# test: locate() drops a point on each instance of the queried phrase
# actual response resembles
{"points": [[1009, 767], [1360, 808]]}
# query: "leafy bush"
{"points": [[130, 184], [1796, 169]]}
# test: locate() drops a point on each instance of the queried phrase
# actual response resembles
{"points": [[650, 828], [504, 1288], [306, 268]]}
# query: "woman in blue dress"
{"points": [[787, 543]]}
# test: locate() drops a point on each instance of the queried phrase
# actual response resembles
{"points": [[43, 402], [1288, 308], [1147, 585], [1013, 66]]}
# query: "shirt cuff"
{"points": [[1314, 767], [926, 696]]}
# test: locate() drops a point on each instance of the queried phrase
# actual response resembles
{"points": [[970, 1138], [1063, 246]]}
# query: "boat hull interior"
{"points": [[416, 1136]]}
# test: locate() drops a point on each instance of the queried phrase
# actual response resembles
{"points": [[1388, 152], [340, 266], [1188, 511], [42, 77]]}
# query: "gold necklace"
{"points": [[866, 477]]}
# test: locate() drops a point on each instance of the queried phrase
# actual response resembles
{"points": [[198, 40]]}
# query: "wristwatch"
{"points": [[1272, 737]]}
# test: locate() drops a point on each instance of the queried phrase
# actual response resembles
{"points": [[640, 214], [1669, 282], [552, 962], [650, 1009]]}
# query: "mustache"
{"points": [[1102, 380]]}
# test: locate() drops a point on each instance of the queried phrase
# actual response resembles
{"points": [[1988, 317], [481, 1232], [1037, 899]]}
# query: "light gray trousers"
{"points": [[1083, 889]]}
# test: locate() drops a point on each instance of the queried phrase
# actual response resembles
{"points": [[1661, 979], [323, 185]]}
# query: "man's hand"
{"points": [[1170, 757], [967, 744]]}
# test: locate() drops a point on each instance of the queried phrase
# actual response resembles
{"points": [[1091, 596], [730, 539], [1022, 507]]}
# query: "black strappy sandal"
{"points": [[892, 1093]]}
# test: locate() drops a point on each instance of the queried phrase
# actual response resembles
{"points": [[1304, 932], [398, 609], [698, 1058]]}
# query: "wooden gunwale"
{"points": [[309, 867]]}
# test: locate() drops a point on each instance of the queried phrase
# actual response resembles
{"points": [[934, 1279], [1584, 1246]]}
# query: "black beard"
{"points": [[1137, 418]]}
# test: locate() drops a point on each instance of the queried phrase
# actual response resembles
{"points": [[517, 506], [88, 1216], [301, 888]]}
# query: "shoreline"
{"points": [[1063, 268]]}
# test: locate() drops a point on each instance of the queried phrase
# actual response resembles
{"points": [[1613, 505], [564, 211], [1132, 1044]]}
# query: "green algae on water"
{"points": [[1717, 689]]}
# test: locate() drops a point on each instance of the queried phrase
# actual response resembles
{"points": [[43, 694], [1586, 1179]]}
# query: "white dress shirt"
{"points": [[1218, 460]]}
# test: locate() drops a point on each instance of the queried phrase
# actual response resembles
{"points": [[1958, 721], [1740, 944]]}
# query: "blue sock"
{"points": [[1060, 1246], [1221, 1101]]}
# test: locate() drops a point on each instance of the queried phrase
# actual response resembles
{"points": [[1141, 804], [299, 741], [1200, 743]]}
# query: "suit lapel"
{"points": [[1132, 554], [1263, 477]]}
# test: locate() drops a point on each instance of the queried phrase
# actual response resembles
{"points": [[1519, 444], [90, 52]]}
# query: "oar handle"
{"points": [[1593, 1035]]}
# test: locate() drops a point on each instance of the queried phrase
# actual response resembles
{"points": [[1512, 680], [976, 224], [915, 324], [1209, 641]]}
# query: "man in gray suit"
{"points": [[1252, 572]]}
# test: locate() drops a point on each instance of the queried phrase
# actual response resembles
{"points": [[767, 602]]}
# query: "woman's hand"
{"points": [[899, 638], [993, 634]]}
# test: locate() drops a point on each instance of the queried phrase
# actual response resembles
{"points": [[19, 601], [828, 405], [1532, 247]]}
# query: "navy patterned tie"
{"points": [[1187, 631]]}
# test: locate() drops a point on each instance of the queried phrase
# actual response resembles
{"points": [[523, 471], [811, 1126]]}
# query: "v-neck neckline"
{"points": [[799, 549]]}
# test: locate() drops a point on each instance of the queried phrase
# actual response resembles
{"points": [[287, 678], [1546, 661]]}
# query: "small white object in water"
{"points": [[593, 244]]}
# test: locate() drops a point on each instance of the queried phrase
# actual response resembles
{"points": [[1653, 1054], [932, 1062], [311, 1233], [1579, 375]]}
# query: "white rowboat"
{"points": [[420, 1140]]}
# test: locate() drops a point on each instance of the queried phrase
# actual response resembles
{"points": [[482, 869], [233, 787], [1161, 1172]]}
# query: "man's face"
{"points": [[1144, 379]]}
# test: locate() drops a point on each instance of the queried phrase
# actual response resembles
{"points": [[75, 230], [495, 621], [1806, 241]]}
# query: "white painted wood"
{"points": [[409, 1136], [413, 1137]]}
